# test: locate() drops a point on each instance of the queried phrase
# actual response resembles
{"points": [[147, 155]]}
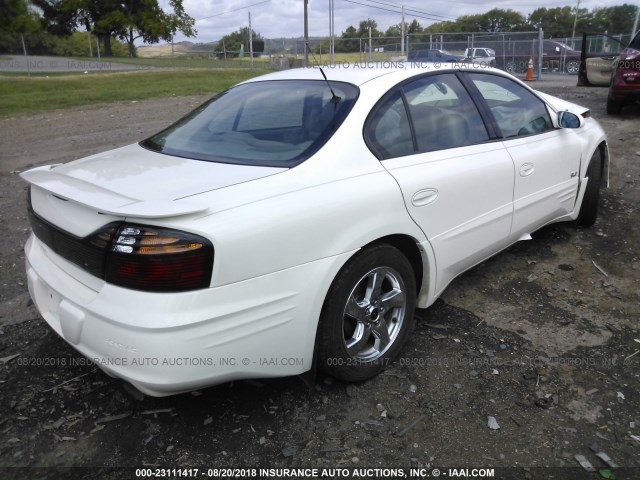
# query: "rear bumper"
{"points": [[170, 343], [626, 95], [622, 90]]}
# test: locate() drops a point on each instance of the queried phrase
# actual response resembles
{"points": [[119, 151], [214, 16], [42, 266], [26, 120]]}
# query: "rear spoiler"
{"points": [[103, 200]]}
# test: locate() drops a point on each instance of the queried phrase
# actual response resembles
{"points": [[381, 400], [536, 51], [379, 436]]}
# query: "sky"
{"points": [[284, 18]]}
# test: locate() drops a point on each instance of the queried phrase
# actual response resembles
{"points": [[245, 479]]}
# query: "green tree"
{"points": [[414, 27], [17, 17], [614, 20], [558, 21], [16, 23], [233, 41], [349, 40], [145, 19], [128, 20], [77, 45], [409, 29], [59, 17], [499, 20], [363, 28], [442, 27]]}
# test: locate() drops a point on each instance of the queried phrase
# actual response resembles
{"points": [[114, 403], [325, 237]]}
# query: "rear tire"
{"points": [[511, 67], [590, 201], [572, 67], [367, 315]]}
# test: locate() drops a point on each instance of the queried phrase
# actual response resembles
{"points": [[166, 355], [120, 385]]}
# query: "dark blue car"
{"points": [[433, 55]]}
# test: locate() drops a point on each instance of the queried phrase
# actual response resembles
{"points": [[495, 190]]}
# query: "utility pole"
{"points": [[250, 40], [403, 33], [331, 38], [635, 23], [575, 22], [306, 33]]}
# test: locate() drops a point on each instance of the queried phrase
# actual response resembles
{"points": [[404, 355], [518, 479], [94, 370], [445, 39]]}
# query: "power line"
{"points": [[233, 10], [408, 9], [431, 17], [372, 6]]}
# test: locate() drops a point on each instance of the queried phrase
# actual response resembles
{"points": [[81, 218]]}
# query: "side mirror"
{"points": [[569, 120]]}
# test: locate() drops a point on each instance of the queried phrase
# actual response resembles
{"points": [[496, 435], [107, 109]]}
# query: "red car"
{"points": [[625, 80], [605, 62]]}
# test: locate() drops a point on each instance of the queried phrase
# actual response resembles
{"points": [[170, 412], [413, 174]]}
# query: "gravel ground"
{"points": [[543, 337]]}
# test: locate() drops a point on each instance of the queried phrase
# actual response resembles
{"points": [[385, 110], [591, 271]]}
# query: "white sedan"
{"points": [[295, 221]]}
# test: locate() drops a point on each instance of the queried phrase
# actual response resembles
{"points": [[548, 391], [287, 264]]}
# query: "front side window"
{"points": [[272, 123], [517, 111]]}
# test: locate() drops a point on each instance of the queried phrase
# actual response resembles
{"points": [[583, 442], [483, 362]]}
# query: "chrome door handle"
{"points": [[526, 169], [424, 197]]}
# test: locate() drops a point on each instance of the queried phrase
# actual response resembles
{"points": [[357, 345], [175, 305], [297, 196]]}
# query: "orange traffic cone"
{"points": [[529, 76]]}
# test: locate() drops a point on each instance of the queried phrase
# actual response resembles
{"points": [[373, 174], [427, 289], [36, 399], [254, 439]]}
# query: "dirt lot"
{"points": [[541, 337]]}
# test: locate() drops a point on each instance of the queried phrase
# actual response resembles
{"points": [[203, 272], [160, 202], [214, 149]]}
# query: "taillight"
{"points": [[630, 54], [139, 257], [158, 259]]}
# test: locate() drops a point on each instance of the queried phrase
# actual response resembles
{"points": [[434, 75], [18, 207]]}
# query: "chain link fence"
{"points": [[83, 52], [26, 54]]}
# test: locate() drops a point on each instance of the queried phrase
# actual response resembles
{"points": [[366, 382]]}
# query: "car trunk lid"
{"points": [[134, 182]]}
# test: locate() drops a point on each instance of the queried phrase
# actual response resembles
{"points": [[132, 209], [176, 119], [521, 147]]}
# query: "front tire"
{"points": [[589, 208], [367, 315]]}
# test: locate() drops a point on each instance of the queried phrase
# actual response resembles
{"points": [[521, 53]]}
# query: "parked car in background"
{"points": [[625, 81], [433, 55], [606, 62], [598, 58], [297, 219], [556, 56], [480, 55]]}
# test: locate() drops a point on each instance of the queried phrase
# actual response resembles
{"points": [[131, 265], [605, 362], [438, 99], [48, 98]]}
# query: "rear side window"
{"points": [[436, 110], [389, 129], [272, 123], [517, 111], [635, 43], [443, 114]]}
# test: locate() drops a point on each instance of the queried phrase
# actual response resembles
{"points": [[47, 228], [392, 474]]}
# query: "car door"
{"points": [[546, 159], [456, 184], [597, 59]]}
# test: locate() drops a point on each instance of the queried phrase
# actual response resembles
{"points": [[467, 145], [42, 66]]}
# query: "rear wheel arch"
{"points": [[367, 314], [406, 247], [409, 248]]}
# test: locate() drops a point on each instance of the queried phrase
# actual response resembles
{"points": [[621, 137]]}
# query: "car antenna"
{"points": [[334, 98]]}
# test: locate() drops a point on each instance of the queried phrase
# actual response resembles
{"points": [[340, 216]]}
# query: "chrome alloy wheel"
{"points": [[374, 313]]}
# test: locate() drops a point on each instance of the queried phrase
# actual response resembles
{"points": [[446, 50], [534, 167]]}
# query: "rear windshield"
{"points": [[274, 123]]}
